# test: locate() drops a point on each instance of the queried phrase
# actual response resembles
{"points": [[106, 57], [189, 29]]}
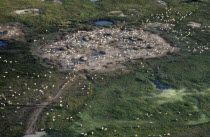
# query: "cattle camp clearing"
{"points": [[104, 68]]}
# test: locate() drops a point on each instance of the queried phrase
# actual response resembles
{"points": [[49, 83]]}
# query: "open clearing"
{"points": [[194, 24], [10, 32], [38, 134], [162, 2], [26, 11], [123, 92], [104, 49]]}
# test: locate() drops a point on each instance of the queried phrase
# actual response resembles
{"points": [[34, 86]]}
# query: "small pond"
{"points": [[103, 23], [3, 44], [160, 86]]}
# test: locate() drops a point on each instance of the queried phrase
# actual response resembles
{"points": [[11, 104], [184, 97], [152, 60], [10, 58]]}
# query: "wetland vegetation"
{"points": [[165, 96]]}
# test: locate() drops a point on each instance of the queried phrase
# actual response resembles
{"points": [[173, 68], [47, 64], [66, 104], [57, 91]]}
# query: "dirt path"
{"points": [[33, 120], [32, 123]]}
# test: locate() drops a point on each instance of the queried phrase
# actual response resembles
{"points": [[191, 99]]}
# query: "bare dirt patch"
{"points": [[26, 11], [133, 10], [161, 2], [37, 134], [10, 32], [55, 1], [104, 49], [194, 24], [117, 13], [157, 24]]}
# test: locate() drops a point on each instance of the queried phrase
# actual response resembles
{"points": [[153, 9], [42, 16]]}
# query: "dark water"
{"points": [[94, 0], [160, 86], [103, 23], [3, 44]]}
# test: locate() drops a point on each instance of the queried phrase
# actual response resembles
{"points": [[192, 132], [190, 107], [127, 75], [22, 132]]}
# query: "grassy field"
{"points": [[127, 106], [23, 82], [116, 103]]}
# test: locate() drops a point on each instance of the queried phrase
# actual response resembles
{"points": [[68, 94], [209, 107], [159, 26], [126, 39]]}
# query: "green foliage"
{"points": [[125, 104]]}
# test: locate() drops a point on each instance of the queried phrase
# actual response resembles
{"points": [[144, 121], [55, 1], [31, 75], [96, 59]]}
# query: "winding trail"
{"points": [[32, 122]]}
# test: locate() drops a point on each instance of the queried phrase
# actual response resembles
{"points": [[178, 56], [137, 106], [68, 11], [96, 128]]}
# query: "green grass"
{"points": [[22, 81], [121, 106], [73, 14], [125, 103], [203, 119]]}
